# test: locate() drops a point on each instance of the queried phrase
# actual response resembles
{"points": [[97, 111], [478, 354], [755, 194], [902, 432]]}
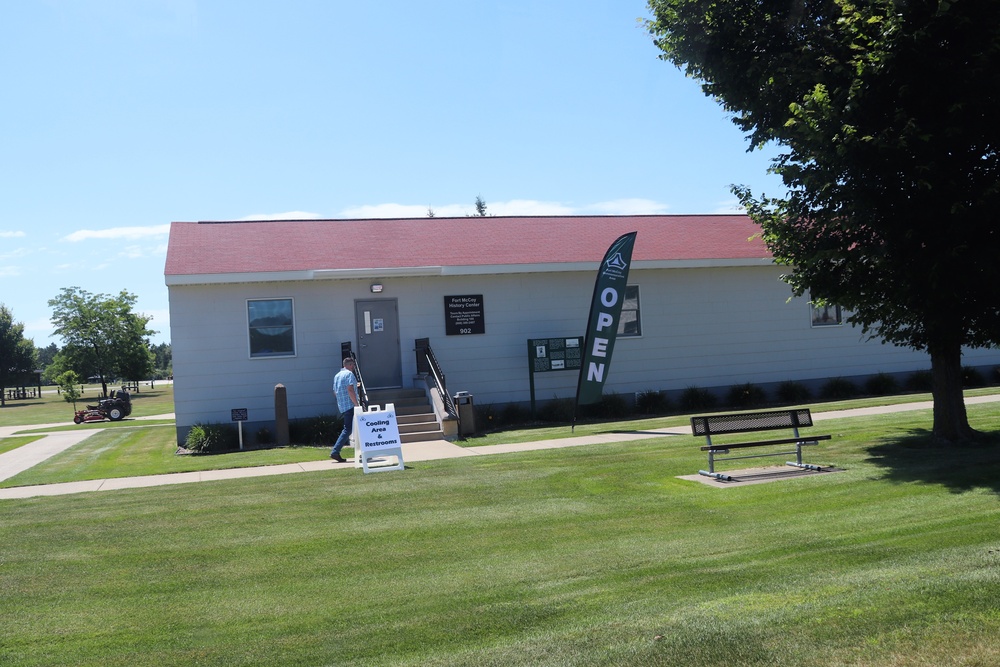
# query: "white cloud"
{"points": [[289, 215], [730, 207], [10, 271], [132, 252], [389, 211], [130, 233], [525, 207], [15, 254], [11, 235], [627, 207]]}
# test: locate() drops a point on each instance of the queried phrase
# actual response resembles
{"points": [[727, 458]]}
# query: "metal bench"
{"points": [[749, 422]]}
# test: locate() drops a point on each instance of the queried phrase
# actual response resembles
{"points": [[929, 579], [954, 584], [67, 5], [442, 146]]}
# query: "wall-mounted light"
{"points": [[376, 288]]}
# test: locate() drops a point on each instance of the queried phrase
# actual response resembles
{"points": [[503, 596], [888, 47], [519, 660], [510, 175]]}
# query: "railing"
{"points": [[345, 352], [428, 364]]}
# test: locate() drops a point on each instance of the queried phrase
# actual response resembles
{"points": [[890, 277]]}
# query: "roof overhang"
{"points": [[424, 271]]}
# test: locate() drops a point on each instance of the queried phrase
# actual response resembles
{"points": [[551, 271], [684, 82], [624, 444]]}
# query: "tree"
{"points": [[68, 383], [17, 354], [480, 207], [884, 113], [47, 354], [101, 335], [163, 359]]}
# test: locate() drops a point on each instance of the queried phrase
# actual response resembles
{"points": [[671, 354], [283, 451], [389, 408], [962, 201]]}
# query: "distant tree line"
{"points": [[102, 339]]}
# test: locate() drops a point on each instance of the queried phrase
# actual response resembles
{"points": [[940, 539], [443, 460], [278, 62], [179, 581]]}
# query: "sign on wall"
{"points": [[464, 315]]}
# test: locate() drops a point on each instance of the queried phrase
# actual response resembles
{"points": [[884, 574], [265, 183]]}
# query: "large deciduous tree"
{"points": [[17, 353], [885, 114], [101, 335]]}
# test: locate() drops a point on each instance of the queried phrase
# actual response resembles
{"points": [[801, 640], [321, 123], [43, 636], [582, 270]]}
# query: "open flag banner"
{"points": [[605, 313]]}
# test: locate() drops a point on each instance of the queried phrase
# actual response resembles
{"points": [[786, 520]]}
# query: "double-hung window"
{"points": [[271, 327], [630, 324]]}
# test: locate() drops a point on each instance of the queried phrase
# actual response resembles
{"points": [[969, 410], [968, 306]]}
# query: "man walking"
{"points": [[345, 388]]}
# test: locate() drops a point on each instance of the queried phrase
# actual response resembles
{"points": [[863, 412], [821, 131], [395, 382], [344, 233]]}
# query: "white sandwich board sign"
{"points": [[378, 444]]}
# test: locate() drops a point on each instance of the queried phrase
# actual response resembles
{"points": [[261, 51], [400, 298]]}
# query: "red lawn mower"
{"points": [[115, 408]]}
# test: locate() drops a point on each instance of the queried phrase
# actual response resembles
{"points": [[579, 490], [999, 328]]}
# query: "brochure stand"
{"points": [[378, 445]]}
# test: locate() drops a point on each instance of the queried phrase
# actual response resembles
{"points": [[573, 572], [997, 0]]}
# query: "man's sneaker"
{"points": [[338, 458]]}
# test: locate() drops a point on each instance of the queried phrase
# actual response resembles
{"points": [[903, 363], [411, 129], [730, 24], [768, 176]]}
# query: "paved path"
{"points": [[26, 456]]}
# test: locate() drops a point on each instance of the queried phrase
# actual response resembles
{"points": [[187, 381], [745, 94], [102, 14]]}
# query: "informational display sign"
{"points": [[464, 315], [552, 354], [555, 354], [377, 439]]}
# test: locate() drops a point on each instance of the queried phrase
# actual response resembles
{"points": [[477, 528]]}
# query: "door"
{"points": [[377, 323]]}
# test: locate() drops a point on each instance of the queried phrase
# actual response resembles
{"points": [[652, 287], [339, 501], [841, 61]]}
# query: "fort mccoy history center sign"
{"points": [[463, 315]]}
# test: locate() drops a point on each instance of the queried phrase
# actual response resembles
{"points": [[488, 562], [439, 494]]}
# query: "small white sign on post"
{"points": [[239, 415], [378, 445]]}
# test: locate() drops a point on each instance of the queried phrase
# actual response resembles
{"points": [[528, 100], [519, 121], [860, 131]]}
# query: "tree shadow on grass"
{"points": [[919, 457], [21, 403]]}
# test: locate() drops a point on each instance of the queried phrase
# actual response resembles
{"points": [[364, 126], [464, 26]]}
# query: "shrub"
{"points": [[695, 399], [264, 436], [971, 377], [838, 389], [747, 395], [557, 410], [211, 438], [881, 384], [319, 430], [513, 414], [793, 392], [652, 402], [612, 406], [921, 381], [486, 418]]}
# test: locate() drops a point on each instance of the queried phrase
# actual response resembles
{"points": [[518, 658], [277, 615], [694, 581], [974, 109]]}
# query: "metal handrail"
{"points": [[362, 391], [426, 354]]}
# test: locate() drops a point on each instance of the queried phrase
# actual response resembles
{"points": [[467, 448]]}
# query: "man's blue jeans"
{"points": [[345, 435]]}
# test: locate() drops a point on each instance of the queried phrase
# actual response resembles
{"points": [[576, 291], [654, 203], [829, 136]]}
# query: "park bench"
{"points": [[751, 422]]}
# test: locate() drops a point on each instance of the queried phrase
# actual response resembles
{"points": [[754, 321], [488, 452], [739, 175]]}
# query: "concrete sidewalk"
{"points": [[33, 453]]}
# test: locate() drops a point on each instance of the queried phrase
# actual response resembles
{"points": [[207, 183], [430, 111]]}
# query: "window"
{"points": [[825, 316], [271, 331], [630, 325]]}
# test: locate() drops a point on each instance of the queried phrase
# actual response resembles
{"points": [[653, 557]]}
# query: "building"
{"points": [[255, 304]]}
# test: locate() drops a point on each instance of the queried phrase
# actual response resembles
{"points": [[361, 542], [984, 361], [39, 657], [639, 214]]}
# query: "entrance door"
{"points": [[377, 323]]}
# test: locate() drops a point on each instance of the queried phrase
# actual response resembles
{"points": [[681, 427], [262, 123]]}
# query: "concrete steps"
{"points": [[414, 414]]}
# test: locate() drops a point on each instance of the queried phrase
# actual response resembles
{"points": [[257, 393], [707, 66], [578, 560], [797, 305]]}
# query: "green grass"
{"points": [[597, 555], [51, 408], [7, 444], [148, 450]]}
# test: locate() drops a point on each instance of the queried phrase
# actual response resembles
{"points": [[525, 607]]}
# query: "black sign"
{"points": [[555, 354], [464, 315], [239, 414]]}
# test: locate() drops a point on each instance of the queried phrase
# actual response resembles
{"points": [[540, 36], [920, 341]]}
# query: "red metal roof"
{"points": [[198, 248]]}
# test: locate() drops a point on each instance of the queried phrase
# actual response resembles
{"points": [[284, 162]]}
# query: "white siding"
{"points": [[707, 327]]}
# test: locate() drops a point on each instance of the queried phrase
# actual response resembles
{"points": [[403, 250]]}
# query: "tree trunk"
{"points": [[951, 423]]}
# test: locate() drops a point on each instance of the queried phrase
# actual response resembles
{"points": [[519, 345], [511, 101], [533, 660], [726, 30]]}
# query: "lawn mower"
{"points": [[115, 408]]}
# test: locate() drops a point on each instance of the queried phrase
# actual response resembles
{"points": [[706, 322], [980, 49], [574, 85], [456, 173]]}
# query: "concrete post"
{"points": [[281, 437]]}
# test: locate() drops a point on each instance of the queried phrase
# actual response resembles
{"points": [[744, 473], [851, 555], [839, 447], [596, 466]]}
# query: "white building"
{"points": [[254, 304]]}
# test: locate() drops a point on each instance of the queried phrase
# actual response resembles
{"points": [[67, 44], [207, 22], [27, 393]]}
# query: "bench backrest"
{"points": [[746, 422]]}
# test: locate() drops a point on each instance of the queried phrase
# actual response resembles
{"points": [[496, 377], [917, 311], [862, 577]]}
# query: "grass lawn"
{"points": [[7, 444], [596, 555], [52, 408]]}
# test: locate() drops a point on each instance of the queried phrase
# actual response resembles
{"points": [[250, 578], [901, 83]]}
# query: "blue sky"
{"points": [[121, 116]]}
